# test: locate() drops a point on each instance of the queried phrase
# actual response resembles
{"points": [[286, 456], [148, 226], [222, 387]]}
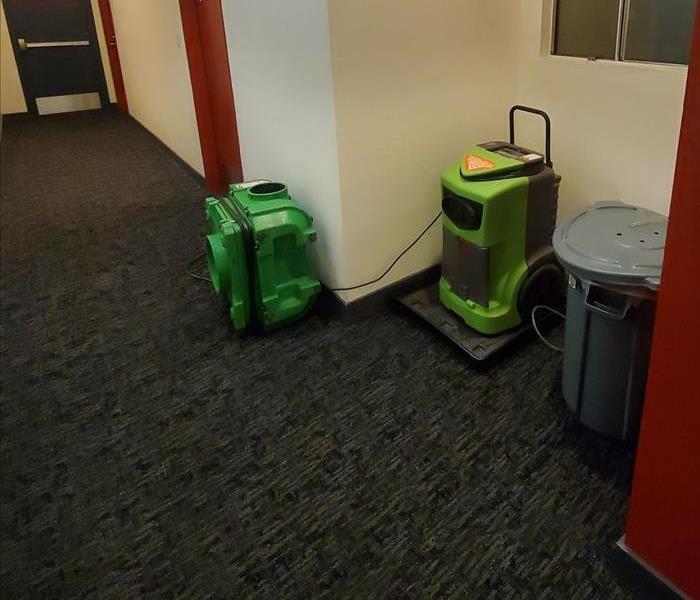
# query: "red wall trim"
{"points": [[663, 523], [207, 57], [113, 53]]}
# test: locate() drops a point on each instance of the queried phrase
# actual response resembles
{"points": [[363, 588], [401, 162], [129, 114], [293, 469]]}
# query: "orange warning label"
{"points": [[476, 163]]}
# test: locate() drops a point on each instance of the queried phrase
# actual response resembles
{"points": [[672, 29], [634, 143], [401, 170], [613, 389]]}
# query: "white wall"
{"points": [[279, 54], [414, 88], [416, 84], [362, 136], [156, 75], [404, 111], [11, 95], [615, 125]]}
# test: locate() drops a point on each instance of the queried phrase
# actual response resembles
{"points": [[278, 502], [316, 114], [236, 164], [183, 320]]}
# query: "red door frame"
{"points": [[207, 57], [663, 522], [113, 53]]}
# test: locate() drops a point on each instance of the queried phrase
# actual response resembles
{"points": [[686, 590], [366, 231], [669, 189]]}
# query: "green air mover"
{"points": [[256, 253], [499, 212]]}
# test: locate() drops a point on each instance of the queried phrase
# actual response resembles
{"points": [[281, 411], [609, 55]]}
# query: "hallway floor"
{"points": [[147, 451]]}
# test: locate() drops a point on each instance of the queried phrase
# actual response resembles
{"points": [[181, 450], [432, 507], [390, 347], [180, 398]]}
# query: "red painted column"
{"points": [[113, 53], [663, 523], [221, 102], [207, 57]]}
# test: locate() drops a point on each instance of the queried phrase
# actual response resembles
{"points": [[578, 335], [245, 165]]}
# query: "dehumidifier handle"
{"points": [[547, 128]]}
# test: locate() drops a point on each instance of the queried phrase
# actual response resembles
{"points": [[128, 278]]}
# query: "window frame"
{"points": [[620, 40]]}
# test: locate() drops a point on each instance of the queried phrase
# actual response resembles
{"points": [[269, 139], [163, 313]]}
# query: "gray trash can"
{"points": [[613, 253]]}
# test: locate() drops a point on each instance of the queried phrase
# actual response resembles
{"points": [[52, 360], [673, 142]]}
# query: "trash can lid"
{"points": [[614, 243]]}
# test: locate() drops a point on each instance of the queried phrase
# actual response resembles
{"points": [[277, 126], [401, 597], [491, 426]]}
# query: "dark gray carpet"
{"points": [[149, 452]]}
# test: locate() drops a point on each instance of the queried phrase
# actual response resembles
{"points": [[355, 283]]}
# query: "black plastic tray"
{"points": [[425, 303]]}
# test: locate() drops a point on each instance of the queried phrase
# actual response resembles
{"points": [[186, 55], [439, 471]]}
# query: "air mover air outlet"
{"points": [[268, 190], [217, 262]]}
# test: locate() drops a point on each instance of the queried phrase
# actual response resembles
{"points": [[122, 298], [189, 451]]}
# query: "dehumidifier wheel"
{"points": [[545, 285]]}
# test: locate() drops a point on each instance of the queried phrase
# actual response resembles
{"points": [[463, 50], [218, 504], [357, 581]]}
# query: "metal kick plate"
{"points": [[51, 105]]}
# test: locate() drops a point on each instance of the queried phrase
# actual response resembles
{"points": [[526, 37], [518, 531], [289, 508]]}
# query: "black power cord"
{"points": [[391, 266], [191, 264]]}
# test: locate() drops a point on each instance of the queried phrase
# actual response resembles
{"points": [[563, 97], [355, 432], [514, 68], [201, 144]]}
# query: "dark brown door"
{"points": [[56, 47]]}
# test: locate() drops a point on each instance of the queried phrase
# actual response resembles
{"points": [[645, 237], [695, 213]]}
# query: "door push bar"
{"points": [[25, 45]]}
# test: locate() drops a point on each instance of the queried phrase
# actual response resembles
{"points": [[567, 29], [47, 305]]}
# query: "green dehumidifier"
{"points": [[499, 212], [499, 208]]}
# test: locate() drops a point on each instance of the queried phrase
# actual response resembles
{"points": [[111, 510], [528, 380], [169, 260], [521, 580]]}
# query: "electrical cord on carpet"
{"points": [[199, 257], [537, 329], [191, 264], [393, 264]]}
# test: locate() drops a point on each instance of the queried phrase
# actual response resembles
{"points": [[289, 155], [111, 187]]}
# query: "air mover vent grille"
{"points": [[463, 212]]}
